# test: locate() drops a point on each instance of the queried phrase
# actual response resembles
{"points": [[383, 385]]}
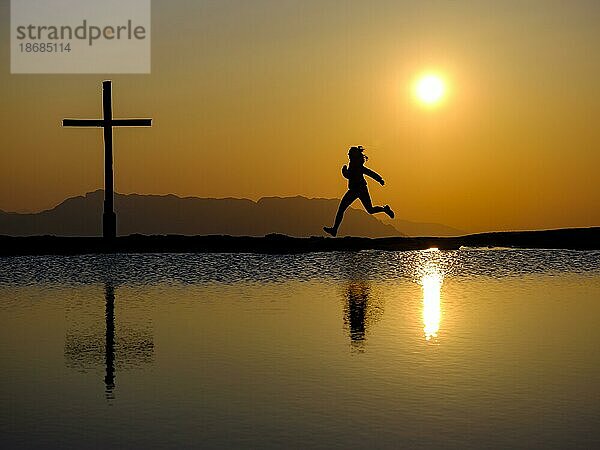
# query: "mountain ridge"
{"points": [[172, 214]]}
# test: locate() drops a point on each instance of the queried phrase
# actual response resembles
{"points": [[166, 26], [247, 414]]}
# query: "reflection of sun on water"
{"points": [[432, 312], [429, 269]]}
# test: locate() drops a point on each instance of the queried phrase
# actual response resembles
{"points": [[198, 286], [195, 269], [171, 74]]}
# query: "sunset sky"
{"points": [[263, 98]]}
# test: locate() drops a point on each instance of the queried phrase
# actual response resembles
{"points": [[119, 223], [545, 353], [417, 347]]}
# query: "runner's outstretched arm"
{"points": [[373, 174]]}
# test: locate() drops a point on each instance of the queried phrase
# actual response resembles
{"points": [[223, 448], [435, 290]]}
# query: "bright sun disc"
{"points": [[430, 89]]}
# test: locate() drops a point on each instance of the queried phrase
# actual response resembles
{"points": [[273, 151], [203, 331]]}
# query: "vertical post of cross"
{"points": [[109, 218]]}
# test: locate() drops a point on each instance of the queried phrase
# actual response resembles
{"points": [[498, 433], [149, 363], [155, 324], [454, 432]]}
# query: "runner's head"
{"points": [[356, 154]]}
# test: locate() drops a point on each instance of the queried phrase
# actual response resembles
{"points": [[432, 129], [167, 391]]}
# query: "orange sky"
{"points": [[263, 98]]}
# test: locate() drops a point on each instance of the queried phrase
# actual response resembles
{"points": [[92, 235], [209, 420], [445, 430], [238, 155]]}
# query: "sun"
{"points": [[430, 89]]}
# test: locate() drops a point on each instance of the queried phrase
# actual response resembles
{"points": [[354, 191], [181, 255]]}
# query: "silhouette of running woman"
{"points": [[357, 188]]}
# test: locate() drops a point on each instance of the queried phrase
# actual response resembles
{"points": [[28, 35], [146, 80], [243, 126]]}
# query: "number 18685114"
{"points": [[45, 47]]}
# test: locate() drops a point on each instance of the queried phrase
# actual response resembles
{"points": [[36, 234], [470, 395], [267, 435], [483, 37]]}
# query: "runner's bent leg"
{"points": [[365, 199]]}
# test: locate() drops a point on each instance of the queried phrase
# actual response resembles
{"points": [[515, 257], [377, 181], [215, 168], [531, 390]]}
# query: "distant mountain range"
{"points": [[169, 214]]}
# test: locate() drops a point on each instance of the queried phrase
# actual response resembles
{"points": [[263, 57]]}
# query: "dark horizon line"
{"points": [[568, 239]]}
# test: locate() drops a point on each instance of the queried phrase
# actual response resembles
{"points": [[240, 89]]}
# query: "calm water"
{"points": [[459, 349]]}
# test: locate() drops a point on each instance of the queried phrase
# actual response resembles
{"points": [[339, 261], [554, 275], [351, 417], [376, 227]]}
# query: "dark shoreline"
{"points": [[570, 238]]}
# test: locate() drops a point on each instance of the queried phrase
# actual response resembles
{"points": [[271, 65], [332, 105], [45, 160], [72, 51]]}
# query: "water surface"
{"points": [[458, 349]]}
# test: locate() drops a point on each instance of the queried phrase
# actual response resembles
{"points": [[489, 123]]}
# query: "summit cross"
{"points": [[109, 218]]}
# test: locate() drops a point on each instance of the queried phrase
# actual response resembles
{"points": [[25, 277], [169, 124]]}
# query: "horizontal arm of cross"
{"points": [[83, 123], [131, 122], [102, 123]]}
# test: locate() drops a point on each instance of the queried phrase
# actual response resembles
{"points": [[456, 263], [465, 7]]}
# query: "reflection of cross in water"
{"points": [[109, 349], [88, 346], [109, 218]]}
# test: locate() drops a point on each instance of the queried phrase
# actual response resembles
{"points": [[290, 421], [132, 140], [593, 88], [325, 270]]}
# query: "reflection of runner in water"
{"points": [[357, 295], [357, 188], [362, 309]]}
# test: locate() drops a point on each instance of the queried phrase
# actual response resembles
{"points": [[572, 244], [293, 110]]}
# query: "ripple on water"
{"points": [[262, 268]]}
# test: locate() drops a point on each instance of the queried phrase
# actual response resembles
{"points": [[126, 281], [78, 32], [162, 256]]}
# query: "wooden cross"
{"points": [[109, 218]]}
